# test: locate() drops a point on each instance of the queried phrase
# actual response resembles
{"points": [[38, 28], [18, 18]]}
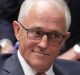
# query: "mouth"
{"points": [[41, 52]]}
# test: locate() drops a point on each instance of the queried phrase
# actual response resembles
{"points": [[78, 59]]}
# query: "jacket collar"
{"points": [[10, 68]]}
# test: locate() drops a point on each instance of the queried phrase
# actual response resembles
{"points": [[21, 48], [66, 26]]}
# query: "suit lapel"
{"points": [[12, 66]]}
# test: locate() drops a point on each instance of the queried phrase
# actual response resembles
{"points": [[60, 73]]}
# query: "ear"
{"points": [[16, 29], [67, 35]]}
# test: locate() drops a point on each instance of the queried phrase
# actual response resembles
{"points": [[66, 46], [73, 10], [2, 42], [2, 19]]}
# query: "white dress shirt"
{"points": [[28, 70]]}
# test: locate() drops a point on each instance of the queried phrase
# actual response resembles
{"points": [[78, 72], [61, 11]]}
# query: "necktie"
{"points": [[40, 73]]}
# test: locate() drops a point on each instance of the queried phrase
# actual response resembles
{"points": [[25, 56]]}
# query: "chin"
{"points": [[40, 66]]}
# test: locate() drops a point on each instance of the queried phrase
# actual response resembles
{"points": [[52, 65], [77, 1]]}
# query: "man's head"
{"points": [[41, 30]]}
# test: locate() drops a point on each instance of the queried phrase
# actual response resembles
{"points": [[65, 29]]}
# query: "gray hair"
{"points": [[27, 4]]}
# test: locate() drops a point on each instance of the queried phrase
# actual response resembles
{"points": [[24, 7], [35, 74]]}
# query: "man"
{"points": [[41, 30]]}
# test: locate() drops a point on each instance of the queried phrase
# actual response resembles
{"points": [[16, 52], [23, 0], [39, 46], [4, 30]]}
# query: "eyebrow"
{"points": [[37, 28], [40, 29]]}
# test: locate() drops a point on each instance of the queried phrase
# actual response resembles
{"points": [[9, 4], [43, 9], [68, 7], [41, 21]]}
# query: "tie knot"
{"points": [[40, 73]]}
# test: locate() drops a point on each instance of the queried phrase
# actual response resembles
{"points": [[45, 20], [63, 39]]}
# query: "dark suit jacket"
{"points": [[10, 65]]}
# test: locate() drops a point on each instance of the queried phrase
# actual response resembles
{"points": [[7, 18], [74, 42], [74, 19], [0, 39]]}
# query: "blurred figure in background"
{"points": [[72, 46], [8, 12], [6, 46], [72, 54], [74, 6]]}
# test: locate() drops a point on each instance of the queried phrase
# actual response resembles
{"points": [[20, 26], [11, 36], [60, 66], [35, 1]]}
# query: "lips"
{"points": [[41, 51]]}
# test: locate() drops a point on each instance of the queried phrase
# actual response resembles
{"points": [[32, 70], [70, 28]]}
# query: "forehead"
{"points": [[44, 15]]}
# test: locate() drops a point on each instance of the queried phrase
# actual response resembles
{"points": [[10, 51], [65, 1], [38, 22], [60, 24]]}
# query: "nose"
{"points": [[43, 42]]}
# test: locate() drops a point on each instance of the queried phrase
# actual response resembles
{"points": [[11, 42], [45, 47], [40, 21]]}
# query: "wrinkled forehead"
{"points": [[44, 13]]}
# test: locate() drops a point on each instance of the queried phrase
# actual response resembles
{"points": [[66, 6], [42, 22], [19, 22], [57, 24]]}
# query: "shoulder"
{"points": [[3, 58], [73, 67], [10, 65]]}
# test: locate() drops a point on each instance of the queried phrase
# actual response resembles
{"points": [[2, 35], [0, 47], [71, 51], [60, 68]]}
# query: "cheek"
{"points": [[55, 50], [26, 47]]}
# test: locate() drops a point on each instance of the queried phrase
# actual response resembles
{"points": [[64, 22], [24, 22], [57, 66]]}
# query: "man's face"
{"points": [[40, 53]]}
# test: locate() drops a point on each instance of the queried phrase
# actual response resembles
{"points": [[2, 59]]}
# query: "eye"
{"points": [[35, 33], [55, 36]]}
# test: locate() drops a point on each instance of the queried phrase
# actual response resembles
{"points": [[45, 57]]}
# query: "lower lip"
{"points": [[41, 54]]}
